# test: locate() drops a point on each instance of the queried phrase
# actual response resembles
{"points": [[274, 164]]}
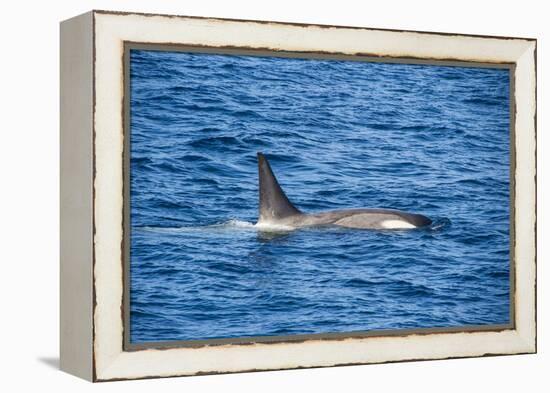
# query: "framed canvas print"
{"points": [[246, 195]]}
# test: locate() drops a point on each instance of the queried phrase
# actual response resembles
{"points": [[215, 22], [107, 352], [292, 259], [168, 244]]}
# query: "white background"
{"points": [[29, 224]]}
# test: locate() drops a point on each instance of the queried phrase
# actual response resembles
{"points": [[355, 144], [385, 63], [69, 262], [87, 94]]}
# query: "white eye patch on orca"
{"points": [[396, 224]]}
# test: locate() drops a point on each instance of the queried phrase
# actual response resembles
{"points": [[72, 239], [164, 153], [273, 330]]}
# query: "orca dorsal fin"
{"points": [[274, 204]]}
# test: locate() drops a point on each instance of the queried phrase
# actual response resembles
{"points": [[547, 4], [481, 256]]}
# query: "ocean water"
{"points": [[339, 134]]}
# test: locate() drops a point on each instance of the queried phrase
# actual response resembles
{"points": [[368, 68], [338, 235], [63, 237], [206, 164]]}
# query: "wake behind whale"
{"points": [[276, 210]]}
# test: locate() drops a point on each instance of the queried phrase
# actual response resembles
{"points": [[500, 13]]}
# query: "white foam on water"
{"points": [[271, 227], [440, 224], [232, 224], [237, 224]]}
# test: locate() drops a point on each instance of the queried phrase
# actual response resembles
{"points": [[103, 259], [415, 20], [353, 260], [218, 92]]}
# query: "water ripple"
{"points": [[339, 134]]}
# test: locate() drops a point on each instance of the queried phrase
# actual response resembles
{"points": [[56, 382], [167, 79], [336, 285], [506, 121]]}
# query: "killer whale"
{"points": [[276, 210]]}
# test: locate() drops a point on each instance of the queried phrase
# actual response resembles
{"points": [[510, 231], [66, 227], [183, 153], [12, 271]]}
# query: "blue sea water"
{"points": [[339, 134]]}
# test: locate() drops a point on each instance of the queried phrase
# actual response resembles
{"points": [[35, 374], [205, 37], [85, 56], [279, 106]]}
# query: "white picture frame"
{"points": [[93, 190]]}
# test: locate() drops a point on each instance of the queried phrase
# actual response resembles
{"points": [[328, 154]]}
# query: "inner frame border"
{"points": [[261, 52]]}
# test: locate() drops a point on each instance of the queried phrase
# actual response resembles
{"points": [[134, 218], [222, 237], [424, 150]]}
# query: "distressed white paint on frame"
{"points": [[111, 30]]}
